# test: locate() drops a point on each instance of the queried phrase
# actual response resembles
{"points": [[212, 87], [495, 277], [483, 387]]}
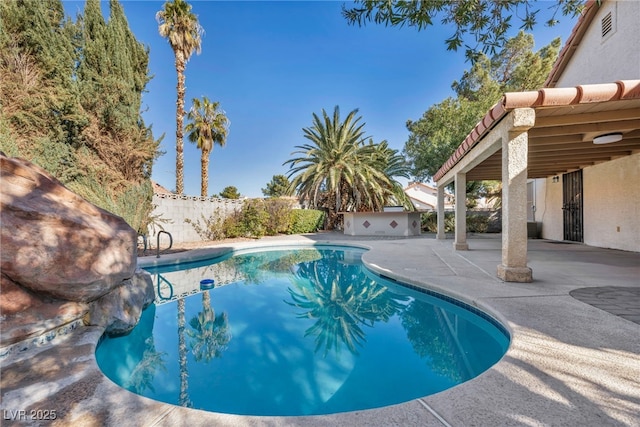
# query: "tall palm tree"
{"points": [[208, 126], [183, 397], [180, 27], [328, 160], [209, 332]]}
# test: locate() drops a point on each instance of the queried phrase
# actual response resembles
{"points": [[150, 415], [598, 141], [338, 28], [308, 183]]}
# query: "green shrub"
{"points": [[259, 218], [231, 226], [8, 144], [211, 228], [429, 222], [250, 221], [477, 223], [133, 202], [306, 221], [279, 211]]}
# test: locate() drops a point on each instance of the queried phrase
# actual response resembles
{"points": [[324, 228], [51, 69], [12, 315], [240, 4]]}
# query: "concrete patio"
{"points": [[574, 358]]}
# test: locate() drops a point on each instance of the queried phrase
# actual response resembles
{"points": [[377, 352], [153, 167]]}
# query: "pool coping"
{"points": [[580, 374]]}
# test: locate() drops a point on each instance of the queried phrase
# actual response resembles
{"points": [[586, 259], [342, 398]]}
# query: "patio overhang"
{"points": [[561, 140], [538, 134]]}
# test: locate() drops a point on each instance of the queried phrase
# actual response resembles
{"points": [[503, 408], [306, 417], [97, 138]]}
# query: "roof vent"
{"points": [[607, 25]]}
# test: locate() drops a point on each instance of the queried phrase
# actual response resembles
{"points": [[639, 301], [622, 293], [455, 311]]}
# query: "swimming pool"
{"points": [[298, 331]]}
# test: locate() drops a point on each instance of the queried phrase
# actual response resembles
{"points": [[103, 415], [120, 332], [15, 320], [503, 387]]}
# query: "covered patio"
{"points": [[537, 134]]}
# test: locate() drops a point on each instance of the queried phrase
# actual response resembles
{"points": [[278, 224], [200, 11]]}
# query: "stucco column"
{"points": [[460, 243], [514, 197], [441, 235]]}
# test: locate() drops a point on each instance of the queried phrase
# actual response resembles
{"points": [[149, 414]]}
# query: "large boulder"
{"points": [[56, 243], [26, 315], [119, 311]]}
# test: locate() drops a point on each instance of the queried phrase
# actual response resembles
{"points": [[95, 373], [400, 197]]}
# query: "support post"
{"points": [[514, 197], [441, 235], [460, 243]]}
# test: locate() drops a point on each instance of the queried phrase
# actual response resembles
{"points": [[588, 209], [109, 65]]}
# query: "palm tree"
{"points": [[394, 165], [334, 168], [208, 126], [183, 397], [328, 159], [341, 299], [209, 332], [338, 171], [181, 28]]}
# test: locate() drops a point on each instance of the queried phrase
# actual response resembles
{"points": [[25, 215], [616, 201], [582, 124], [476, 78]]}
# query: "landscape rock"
{"points": [[26, 315], [56, 243], [119, 311]]}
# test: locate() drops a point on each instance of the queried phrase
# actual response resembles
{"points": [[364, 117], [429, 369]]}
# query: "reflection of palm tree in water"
{"points": [[144, 372], [341, 298], [183, 399], [210, 333]]}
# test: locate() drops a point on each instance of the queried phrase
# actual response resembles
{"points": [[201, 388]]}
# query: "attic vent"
{"points": [[607, 24]]}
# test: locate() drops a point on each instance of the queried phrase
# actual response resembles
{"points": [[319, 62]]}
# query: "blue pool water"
{"points": [[303, 331]]}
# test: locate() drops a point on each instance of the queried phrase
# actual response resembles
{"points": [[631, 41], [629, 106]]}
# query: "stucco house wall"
{"points": [[616, 56], [611, 190], [612, 204], [425, 197], [549, 208]]}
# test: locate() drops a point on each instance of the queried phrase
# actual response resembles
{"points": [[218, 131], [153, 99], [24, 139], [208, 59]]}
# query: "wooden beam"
{"points": [[576, 156], [585, 128], [597, 117], [552, 140], [586, 146]]}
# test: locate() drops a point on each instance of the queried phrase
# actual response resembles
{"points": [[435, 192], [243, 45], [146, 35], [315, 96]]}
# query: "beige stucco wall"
{"points": [[548, 203], [382, 223], [615, 57], [612, 204], [611, 190]]}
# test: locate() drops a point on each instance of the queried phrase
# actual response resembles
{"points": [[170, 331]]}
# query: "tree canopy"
{"points": [[71, 96], [487, 22], [436, 135], [277, 187], [230, 192]]}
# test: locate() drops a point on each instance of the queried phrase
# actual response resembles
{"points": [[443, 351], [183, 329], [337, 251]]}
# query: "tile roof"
{"points": [[159, 189], [544, 98], [573, 41]]}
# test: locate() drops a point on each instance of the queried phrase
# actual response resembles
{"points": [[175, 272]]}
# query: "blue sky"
{"points": [[272, 64]]}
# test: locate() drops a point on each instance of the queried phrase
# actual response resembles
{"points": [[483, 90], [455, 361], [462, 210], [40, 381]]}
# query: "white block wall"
{"points": [[174, 209]]}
